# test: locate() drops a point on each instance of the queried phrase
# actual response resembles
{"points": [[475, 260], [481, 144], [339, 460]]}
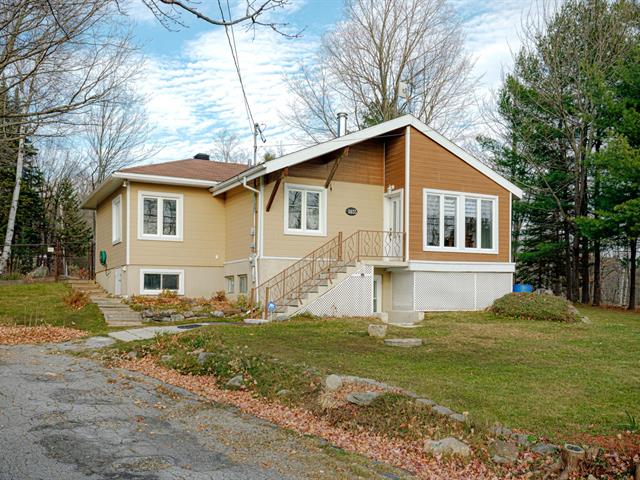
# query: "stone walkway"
{"points": [[68, 417], [147, 333], [115, 313]]}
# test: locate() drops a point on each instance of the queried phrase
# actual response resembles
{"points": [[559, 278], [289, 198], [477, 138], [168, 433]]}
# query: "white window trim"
{"points": [[459, 222], [323, 210], [115, 239], [179, 216], [232, 279], [246, 284], [180, 274]]}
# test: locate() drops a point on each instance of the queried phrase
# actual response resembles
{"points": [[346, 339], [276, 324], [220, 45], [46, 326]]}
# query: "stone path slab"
{"points": [[147, 333]]}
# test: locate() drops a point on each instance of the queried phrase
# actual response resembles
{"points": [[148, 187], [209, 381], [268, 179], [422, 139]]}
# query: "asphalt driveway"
{"points": [[66, 417]]}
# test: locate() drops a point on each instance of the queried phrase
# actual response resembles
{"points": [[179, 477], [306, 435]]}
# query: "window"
{"points": [[154, 282], [116, 220], [457, 221], [159, 216], [231, 284], [242, 284], [305, 210]]}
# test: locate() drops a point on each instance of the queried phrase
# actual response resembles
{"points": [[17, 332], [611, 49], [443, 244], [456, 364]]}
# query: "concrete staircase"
{"points": [[116, 313]]}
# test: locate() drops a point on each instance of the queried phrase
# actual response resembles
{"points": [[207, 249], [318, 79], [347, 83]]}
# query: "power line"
{"points": [[231, 40]]}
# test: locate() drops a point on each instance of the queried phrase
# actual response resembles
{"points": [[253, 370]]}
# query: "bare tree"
{"points": [[385, 59], [56, 58], [116, 135], [169, 13], [228, 148]]}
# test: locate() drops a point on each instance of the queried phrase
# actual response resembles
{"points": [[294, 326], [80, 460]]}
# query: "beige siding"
{"points": [[433, 166], [115, 253], [366, 198], [239, 208], [203, 242], [198, 281]]}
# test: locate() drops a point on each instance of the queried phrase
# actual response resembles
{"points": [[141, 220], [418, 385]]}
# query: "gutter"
{"points": [[257, 200], [236, 180]]}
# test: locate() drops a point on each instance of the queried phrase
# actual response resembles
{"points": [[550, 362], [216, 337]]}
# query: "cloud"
{"points": [[196, 94], [193, 97]]}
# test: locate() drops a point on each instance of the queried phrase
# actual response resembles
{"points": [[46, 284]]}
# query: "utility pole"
{"points": [[257, 130]]}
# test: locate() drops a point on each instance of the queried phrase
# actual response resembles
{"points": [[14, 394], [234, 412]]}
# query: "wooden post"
{"points": [[266, 302], [339, 246], [56, 253], [358, 245]]}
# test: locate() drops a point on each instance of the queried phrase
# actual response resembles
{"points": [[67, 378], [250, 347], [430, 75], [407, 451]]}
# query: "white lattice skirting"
{"points": [[446, 291], [352, 297]]}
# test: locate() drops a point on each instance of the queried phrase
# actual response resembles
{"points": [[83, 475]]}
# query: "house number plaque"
{"points": [[351, 211]]}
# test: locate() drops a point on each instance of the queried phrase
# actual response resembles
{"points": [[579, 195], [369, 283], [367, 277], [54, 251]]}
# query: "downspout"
{"points": [[254, 260]]}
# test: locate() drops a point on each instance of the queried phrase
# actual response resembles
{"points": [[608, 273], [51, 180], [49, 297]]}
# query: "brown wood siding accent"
{"points": [[433, 166], [364, 164], [394, 160]]}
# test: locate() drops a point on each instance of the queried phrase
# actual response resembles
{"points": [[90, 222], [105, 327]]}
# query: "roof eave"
{"points": [[236, 180], [165, 180]]}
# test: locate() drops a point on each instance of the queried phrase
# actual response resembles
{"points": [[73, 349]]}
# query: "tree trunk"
{"points": [[597, 284], [11, 222], [633, 246], [584, 272], [568, 269]]}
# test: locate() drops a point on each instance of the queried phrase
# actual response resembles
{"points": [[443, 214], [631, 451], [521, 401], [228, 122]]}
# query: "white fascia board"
{"points": [[359, 136], [236, 180], [432, 266], [102, 191], [164, 180]]}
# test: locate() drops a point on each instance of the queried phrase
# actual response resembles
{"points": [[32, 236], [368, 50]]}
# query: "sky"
{"points": [[192, 89]]}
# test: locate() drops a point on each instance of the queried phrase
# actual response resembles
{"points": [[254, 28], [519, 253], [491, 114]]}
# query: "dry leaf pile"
{"points": [[404, 454], [16, 335]]}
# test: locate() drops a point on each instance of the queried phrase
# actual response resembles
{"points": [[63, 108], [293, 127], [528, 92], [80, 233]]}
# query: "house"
{"points": [[393, 220]]}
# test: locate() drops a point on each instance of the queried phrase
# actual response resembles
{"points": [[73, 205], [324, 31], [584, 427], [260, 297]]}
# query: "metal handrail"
{"points": [[322, 263]]}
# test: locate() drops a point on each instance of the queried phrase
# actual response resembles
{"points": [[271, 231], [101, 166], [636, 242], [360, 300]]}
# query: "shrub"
{"points": [[530, 306], [220, 296], [76, 299]]}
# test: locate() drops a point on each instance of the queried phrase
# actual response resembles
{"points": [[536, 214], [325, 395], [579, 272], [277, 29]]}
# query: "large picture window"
{"points": [[153, 282], [305, 210], [456, 221], [159, 216]]}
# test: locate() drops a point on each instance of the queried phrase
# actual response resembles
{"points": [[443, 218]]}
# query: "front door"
{"points": [[393, 225]]}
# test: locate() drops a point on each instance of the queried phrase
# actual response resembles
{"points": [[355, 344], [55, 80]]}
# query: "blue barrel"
{"points": [[522, 288]]}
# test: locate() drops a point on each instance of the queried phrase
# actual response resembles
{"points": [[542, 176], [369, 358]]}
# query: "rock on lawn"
{"points": [[447, 446]]}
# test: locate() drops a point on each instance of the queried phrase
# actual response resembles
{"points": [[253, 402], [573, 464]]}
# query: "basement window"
{"points": [[231, 283], [153, 282], [242, 284], [305, 210]]}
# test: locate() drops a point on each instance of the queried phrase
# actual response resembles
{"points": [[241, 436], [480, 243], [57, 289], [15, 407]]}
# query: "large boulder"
{"points": [[447, 446]]}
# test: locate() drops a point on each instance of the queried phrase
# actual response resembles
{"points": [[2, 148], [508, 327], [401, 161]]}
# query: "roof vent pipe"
{"points": [[342, 123], [201, 156]]}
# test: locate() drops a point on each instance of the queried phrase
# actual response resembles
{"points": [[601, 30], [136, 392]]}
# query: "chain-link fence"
{"points": [[60, 259]]}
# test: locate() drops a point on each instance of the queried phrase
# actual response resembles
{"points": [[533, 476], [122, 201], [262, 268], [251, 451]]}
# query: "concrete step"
{"points": [[114, 323]]}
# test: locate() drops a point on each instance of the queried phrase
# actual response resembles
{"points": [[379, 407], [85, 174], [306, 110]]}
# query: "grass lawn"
{"points": [[41, 304], [553, 379]]}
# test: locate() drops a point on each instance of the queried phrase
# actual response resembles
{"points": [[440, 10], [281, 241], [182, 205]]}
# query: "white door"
{"points": [[392, 244], [118, 281], [377, 293]]}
